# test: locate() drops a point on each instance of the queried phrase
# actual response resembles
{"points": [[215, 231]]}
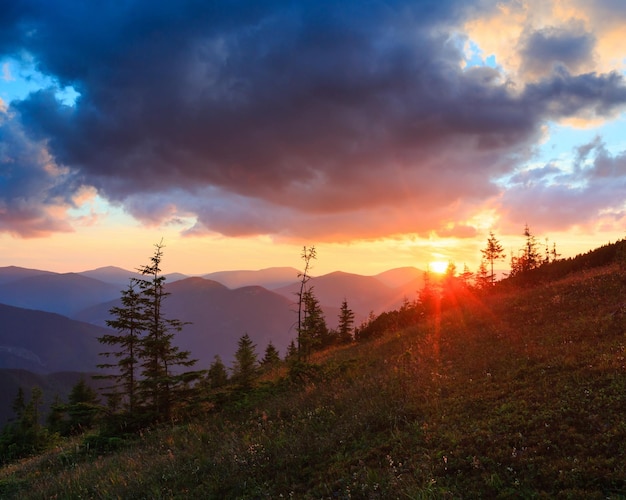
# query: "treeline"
{"points": [[152, 382]]}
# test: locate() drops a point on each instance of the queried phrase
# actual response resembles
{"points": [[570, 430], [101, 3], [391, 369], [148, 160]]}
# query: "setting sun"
{"points": [[438, 266]]}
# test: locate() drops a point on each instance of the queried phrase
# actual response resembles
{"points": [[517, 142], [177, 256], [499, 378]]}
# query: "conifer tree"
{"points": [[483, 278], [427, 294], [149, 378], [25, 436], [492, 253], [129, 321], [466, 276], [83, 407], [271, 358], [345, 328], [292, 351], [161, 388], [217, 376], [314, 331], [245, 367], [308, 254]]}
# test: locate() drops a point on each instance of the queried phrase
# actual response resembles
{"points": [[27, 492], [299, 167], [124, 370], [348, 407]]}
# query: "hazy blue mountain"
{"points": [[13, 273], [363, 293], [60, 293], [43, 342], [121, 277], [270, 278], [219, 316]]}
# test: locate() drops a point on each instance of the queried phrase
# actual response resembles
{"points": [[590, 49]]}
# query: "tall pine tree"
{"points": [[161, 387]]}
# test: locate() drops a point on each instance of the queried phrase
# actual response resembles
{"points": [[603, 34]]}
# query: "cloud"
{"points": [[33, 189], [339, 121], [548, 48], [587, 195]]}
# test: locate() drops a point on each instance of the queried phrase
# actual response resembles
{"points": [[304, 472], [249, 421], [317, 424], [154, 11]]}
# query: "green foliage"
{"points": [[271, 358], [130, 322], [25, 436], [217, 376], [314, 334], [245, 366], [345, 329]]}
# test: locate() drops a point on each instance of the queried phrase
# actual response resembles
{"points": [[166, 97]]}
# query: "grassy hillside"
{"points": [[519, 394]]}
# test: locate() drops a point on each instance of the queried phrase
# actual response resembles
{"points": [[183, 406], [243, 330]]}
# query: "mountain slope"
{"points": [[270, 278], [44, 342], [121, 277], [59, 293], [13, 273], [218, 317], [363, 293]]}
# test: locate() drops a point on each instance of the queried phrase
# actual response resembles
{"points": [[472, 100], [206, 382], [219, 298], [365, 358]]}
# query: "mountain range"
{"points": [[50, 322]]}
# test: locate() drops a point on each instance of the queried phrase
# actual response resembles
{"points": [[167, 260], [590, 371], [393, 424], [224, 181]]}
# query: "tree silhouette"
{"points": [[83, 407], [128, 320], [25, 436], [271, 357], [314, 332], [161, 388], [493, 252], [245, 367], [217, 376], [346, 323], [308, 254], [147, 380]]}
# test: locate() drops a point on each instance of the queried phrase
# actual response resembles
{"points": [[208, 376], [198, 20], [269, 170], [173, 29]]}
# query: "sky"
{"points": [[385, 133]]}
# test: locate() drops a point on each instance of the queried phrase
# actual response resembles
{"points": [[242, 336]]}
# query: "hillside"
{"points": [[44, 342], [515, 394]]}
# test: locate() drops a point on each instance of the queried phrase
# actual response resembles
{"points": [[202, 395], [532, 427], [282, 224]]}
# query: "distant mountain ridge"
{"points": [[43, 342], [270, 278], [219, 314]]}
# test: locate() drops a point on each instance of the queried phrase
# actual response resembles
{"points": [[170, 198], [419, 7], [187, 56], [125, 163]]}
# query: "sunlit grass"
{"points": [[511, 395]]}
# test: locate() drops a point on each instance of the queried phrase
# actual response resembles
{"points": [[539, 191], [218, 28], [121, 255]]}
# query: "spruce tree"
{"points": [[314, 333], [346, 323], [149, 377], [129, 322], [493, 252], [83, 407], [245, 367], [217, 376], [161, 387], [271, 358]]}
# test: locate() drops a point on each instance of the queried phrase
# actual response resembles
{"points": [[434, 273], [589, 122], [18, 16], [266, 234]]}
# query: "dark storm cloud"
{"points": [[349, 119], [31, 187], [546, 49]]}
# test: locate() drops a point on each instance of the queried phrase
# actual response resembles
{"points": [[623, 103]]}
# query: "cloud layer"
{"points": [[294, 119]]}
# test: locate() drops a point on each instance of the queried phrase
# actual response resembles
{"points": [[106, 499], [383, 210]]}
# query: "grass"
{"points": [[519, 394]]}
